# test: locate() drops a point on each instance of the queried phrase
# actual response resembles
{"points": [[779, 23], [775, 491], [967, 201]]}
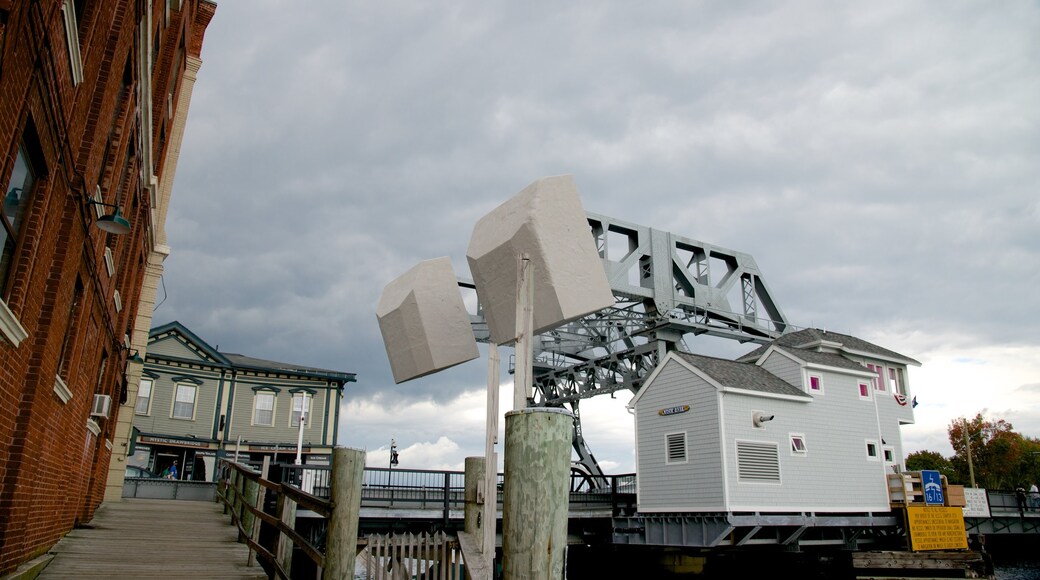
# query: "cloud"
{"points": [[878, 162]]}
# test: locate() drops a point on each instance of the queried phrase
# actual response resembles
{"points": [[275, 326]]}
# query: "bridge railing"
{"points": [[245, 492], [445, 490]]}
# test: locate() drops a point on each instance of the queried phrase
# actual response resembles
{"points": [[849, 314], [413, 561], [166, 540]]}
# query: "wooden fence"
{"points": [[426, 556]]}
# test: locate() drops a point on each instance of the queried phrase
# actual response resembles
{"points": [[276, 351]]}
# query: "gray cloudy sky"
{"points": [[881, 162]]}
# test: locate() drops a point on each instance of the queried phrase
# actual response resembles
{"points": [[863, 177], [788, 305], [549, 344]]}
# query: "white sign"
{"points": [[976, 504]]}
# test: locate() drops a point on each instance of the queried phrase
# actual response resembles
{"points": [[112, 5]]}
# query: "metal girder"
{"points": [[665, 287]]}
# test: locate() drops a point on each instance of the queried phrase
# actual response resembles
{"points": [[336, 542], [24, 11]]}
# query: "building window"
{"points": [[872, 450], [71, 18], [675, 448], [16, 201], [815, 384], [184, 402], [879, 380], [758, 462], [895, 381], [889, 454], [263, 408], [144, 398], [798, 444], [301, 404], [864, 390]]}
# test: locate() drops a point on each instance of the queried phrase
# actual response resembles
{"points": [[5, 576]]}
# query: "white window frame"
{"points": [[819, 379], [888, 454], [685, 446], [795, 452], [68, 12], [869, 388], [879, 377], [194, 401], [896, 380], [142, 387], [293, 417], [274, 407], [877, 449]]}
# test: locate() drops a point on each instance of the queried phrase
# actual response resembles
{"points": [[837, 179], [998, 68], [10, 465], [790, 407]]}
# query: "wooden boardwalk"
{"points": [[141, 538]]}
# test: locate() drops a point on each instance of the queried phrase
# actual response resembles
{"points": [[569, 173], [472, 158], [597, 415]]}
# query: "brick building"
{"points": [[93, 99]]}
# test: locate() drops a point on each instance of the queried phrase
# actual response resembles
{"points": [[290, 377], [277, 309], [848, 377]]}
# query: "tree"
{"points": [[1000, 457], [921, 460]]}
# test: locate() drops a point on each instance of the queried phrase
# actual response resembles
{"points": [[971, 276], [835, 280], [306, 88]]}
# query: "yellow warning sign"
{"points": [[936, 528]]}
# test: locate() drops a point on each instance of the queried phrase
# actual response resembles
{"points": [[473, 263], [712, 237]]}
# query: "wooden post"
{"points": [[524, 330], [537, 471], [348, 467], [252, 491], [474, 482], [490, 516], [260, 498], [287, 514]]}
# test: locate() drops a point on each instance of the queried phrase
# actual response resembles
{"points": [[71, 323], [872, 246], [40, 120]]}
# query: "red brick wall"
{"points": [[52, 468]]}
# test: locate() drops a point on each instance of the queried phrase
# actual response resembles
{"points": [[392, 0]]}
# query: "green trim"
{"points": [[220, 395], [271, 388], [186, 379], [150, 375], [297, 390], [335, 424], [230, 405], [329, 393]]}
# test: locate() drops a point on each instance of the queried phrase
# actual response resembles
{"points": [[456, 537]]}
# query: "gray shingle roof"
{"points": [[258, 363], [824, 358], [742, 375], [811, 335]]}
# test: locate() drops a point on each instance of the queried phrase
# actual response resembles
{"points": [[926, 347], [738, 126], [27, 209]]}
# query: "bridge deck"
{"points": [[139, 538]]}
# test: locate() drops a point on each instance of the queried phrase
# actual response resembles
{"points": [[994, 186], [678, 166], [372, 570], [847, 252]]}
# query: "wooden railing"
{"points": [[243, 491]]}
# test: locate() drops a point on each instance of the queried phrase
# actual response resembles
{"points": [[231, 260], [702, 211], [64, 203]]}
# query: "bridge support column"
{"points": [[537, 470], [348, 468]]}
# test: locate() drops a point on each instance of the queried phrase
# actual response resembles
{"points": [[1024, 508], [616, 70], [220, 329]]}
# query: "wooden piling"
{"points": [[348, 467], [474, 492], [537, 473], [252, 492]]}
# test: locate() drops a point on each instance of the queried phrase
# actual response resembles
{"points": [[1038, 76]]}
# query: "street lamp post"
{"points": [[390, 470]]}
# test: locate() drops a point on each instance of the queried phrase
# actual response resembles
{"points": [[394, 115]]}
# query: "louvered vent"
{"points": [[676, 443], [758, 461]]}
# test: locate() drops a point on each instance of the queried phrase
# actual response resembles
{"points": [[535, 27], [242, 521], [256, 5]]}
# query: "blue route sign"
{"points": [[932, 484]]}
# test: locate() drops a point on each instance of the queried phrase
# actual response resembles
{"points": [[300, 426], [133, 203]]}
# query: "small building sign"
{"points": [[931, 481], [673, 410], [976, 504]]}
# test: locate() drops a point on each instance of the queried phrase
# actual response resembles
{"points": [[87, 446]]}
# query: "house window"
{"points": [[263, 408], [798, 444], [758, 462], [815, 384], [895, 381], [864, 390], [889, 454], [675, 448], [872, 450], [879, 380], [144, 398], [184, 402], [301, 404]]}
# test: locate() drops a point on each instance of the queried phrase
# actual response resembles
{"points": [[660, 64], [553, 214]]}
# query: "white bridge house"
{"points": [[807, 423]]}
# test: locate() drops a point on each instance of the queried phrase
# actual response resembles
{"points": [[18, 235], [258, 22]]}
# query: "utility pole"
{"points": [[967, 448]]}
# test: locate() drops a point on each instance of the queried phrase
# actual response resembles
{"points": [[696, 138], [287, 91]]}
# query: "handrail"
{"points": [[231, 492]]}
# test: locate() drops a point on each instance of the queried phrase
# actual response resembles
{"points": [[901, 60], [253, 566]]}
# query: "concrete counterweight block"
{"points": [[547, 222], [424, 322]]}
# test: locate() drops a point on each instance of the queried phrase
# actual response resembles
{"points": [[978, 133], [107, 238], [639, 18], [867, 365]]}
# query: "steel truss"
{"points": [[665, 287]]}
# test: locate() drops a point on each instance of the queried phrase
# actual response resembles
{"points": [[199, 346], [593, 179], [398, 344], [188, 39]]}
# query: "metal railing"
{"points": [[445, 490]]}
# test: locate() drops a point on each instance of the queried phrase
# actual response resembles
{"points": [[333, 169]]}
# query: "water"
{"points": [[1018, 571]]}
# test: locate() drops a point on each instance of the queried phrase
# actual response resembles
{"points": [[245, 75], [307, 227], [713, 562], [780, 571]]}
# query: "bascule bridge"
{"points": [[666, 287]]}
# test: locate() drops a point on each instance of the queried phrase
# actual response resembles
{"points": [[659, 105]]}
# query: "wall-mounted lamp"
{"points": [[113, 223], [759, 417], [135, 357]]}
